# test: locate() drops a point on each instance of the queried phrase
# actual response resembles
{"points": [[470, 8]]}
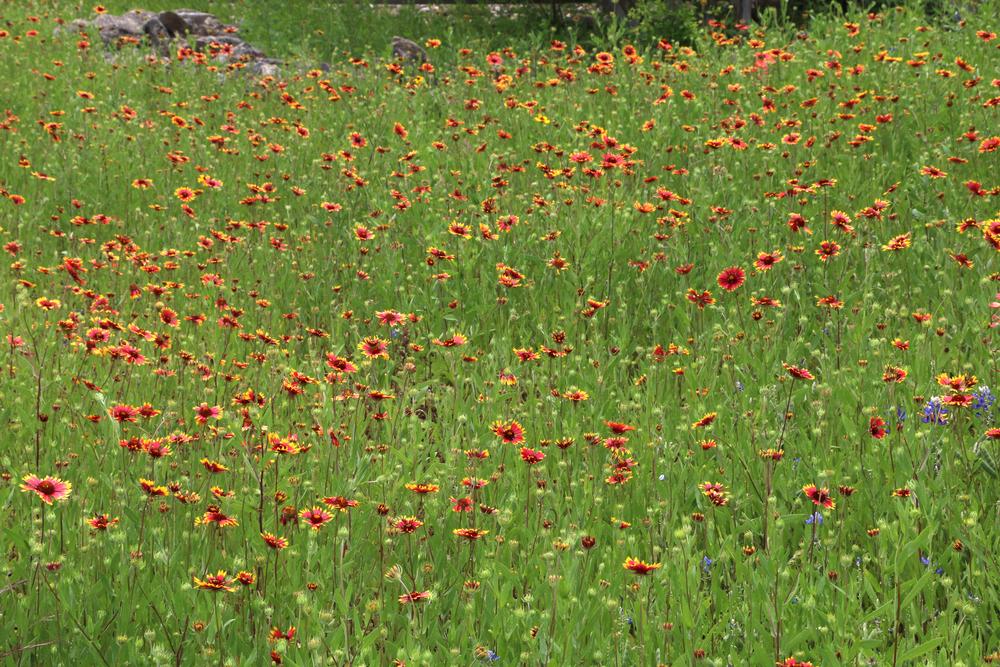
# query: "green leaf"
{"points": [[920, 649]]}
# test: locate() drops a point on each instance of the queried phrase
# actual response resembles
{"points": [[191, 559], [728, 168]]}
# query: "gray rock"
{"points": [[203, 23], [112, 28], [408, 50], [174, 24]]}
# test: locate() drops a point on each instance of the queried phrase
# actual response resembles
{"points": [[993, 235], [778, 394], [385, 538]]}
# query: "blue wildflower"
{"points": [[983, 404], [816, 518], [706, 563], [927, 563], [935, 412]]}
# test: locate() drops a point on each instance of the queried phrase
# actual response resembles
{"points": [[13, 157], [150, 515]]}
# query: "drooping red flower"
{"points": [[618, 428], [414, 596], [274, 541], [819, 496], [797, 372], [876, 426]]}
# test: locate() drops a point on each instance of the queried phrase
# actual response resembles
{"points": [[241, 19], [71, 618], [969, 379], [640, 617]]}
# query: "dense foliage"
{"points": [[537, 355]]}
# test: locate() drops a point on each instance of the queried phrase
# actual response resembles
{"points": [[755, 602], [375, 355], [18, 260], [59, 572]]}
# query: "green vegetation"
{"points": [[632, 354]]}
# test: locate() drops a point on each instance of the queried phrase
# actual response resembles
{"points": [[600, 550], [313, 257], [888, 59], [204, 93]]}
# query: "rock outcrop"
{"points": [[200, 31]]}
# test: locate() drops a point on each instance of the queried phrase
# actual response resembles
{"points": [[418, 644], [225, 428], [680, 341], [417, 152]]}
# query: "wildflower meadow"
{"points": [[525, 350]]}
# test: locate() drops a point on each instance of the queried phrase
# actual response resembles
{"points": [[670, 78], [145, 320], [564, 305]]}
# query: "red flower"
{"points": [[876, 426], [819, 496], [102, 522], [374, 348], [471, 534], [799, 373], [339, 502], [618, 428], [512, 433], [422, 488], [406, 524], [732, 278], [461, 504], [204, 412], [531, 456], [765, 260], [274, 541], [316, 517], [415, 596], [49, 489], [123, 413], [700, 299], [214, 582], [637, 566]]}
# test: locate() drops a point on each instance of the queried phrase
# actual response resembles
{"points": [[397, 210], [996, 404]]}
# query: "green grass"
{"points": [[883, 579]]}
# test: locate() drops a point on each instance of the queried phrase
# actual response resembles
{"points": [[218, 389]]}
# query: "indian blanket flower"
{"points": [[215, 515], [876, 427], [406, 524], [152, 489], [214, 582], [819, 496], [732, 278], [316, 517], [102, 522], [339, 502], [204, 412], [422, 489], [415, 596], [274, 541], [705, 421], [531, 456], [715, 492], [49, 489], [618, 428], [798, 372], [374, 348], [470, 534], [766, 260], [511, 432], [636, 566]]}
